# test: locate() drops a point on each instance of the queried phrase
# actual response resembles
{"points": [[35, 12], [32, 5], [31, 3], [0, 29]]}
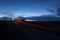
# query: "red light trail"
{"points": [[38, 26]]}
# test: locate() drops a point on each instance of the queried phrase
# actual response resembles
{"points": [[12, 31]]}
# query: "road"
{"points": [[21, 31], [38, 26]]}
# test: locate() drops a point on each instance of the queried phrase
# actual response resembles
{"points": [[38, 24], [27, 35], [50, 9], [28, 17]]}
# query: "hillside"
{"points": [[19, 31], [44, 18]]}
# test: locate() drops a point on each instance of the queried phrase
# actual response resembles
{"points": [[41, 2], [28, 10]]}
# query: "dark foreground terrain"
{"points": [[17, 31]]}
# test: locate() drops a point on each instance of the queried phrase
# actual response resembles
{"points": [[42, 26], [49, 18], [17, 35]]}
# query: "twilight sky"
{"points": [[15, 8]]}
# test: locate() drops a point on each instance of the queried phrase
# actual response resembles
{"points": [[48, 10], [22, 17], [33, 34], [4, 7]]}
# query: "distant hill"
{"points": [[5, 19], [44, 18]]}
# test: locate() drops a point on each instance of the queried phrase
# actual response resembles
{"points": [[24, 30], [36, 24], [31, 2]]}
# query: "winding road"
{"points": [[27, 31]]}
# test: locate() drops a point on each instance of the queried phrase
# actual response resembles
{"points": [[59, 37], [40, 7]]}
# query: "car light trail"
{"points": [[38, 26]]}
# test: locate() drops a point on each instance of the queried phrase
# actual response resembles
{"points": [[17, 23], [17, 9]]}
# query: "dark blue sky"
{"points": [[27, 8]]}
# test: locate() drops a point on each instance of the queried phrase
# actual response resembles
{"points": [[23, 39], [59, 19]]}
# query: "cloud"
{"points": [[6, 13]]}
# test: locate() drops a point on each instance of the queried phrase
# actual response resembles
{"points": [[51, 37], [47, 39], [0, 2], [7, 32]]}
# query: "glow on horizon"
{"points": [[17, 13], [30, 14], [24, 14]]}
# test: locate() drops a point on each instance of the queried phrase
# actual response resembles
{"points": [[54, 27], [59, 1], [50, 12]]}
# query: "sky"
{"points": [[27, 8]]}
